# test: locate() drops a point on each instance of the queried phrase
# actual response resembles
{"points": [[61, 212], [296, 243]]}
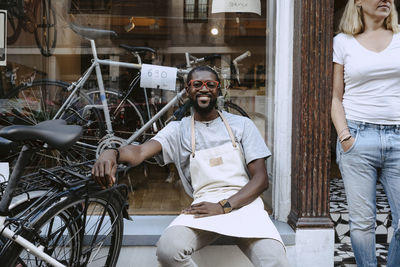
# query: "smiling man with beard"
{"points": [[220, 158], [204, 98]]}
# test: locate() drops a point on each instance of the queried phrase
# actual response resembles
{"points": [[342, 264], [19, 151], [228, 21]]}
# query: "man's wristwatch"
{"points": [[226, 206]]}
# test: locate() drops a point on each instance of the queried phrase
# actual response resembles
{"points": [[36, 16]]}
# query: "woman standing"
{"points": [[366, 115]]}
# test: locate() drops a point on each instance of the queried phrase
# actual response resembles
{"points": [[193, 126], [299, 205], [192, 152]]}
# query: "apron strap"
{"points": [[228, 128], [193, 139], [193, 136]]}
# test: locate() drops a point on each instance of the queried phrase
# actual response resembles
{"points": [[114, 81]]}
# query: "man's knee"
{"points": [[277, 254], [171, 250], [265, 252]]}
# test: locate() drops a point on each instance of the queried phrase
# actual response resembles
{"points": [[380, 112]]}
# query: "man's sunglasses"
{"points": [[197, 84]]}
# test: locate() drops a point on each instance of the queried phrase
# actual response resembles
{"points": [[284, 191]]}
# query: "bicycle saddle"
{"points": [[138, 49], [6, 147], [92, 33], [55, 133]]}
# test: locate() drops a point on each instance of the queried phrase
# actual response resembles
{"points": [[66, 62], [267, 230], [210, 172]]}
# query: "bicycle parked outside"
{"points": [[58, 216]]}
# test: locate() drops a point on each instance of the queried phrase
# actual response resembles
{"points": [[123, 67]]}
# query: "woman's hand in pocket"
{"points": [[347, 144]]}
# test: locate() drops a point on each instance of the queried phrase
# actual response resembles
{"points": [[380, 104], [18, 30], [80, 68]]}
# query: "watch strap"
{"points": [[226, 206]]}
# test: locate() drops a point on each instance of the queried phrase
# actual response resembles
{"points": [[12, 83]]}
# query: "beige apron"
{"points": [[218, 173]]}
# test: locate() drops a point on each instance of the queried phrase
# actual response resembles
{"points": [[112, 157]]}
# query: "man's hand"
{"points": [[204, 209], [103, 171]]}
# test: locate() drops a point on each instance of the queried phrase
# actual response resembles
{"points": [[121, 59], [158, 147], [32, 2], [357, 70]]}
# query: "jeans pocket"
{"points": [[354, 131]]}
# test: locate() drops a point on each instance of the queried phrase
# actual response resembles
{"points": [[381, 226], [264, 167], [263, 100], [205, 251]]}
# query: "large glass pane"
{"points": [[42, 45]]}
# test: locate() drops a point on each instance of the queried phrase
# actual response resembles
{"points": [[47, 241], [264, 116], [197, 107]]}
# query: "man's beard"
{"points": [[201, 110]]}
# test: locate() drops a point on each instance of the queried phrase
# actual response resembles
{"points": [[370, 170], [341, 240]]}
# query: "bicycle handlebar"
{"points": [[241, 57], [235, 63], [191, 60]]}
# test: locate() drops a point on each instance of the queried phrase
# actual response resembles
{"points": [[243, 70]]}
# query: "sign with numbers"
{"points": [[251, 6], [160, 77], [3, 37]]}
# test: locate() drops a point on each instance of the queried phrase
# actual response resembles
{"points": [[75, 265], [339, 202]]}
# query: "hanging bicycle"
{"points": [[32, 16]]}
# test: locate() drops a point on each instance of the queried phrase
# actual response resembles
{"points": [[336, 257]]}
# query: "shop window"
{"points": [[157, 24], [196, 10]]}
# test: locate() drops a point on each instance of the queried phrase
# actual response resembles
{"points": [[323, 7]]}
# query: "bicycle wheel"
{"points": [[40, 101], [126, 116], [76, 233], [45, 28], [14, 24], [234, 109]]}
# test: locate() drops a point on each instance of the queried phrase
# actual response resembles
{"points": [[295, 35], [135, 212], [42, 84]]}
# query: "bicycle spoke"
{"points": [[27, 105]]}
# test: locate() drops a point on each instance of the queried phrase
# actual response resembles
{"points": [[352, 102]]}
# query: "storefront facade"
{"points": [[285, 89]]}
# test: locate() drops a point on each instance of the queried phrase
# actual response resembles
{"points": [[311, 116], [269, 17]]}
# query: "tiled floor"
{"points": [[344, 256]]}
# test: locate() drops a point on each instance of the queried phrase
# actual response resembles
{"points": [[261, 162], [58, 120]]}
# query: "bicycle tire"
{"points": [[96, 243], [125, 118], [234, 109], [40, 101], [45, 28]]}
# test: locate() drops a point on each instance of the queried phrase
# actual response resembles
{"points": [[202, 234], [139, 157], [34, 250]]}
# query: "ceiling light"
{"points": [[214, 31]]}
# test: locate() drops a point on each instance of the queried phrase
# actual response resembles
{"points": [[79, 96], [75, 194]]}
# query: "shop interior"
{"points": [[175, 30]]}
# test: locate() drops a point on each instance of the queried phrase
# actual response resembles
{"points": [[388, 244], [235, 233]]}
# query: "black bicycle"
{"points": [[57, 216]]}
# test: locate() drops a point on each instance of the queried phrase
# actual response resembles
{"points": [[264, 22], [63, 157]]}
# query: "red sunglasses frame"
{"points": [[204, 83]]}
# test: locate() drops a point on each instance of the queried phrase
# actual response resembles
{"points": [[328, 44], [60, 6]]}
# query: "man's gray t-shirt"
{"points": [[176, 143]]}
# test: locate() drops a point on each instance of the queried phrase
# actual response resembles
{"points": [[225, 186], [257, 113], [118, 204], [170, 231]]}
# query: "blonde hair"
{"points": [[352, 20]]}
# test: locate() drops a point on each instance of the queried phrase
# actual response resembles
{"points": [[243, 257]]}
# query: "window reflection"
{"points": [[172, 29], [196, 10]]}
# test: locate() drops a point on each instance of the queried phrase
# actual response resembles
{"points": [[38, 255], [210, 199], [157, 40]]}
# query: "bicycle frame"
{"points": [[37, 251], [25, 155], [96, 62]]}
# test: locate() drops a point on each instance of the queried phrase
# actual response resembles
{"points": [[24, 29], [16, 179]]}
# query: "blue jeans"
{"points": [[374, 155]]}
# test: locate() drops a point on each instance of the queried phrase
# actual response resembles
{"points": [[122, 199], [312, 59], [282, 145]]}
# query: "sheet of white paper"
{"points": [[251, 6], [4, 171], [3, 37], [154, 76]]}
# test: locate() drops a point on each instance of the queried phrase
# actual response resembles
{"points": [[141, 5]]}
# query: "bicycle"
{"points": [[33, 16], [109, 118], [57, 216], [45, 99]]}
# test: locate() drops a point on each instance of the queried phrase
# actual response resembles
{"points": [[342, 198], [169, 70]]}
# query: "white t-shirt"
{"points": [[175, 139], [372, 80]]}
